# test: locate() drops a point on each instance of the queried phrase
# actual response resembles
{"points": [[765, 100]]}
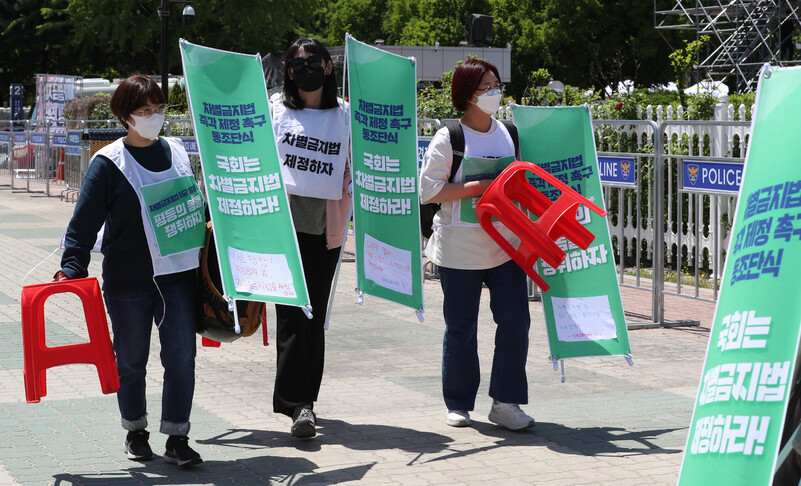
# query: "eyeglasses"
{"points": [[147, 111], [488, 87], [311, 62]]}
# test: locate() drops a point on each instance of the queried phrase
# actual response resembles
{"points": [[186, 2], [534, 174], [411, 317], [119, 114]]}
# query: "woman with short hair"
{"points": [[468, 258], [149, 268]]}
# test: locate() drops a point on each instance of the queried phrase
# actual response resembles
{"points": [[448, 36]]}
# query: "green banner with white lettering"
{"points": [[745, 384], [253, 231], [175, 208], [583, 308], [386, 212]]}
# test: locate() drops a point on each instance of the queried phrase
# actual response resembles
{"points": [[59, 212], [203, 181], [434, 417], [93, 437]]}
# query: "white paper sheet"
{"points": [[261, 273], [387, 266], [583, 318]]}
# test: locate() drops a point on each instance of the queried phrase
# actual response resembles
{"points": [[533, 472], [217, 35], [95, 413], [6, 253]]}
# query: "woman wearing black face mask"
{"points": [[312, 141]]}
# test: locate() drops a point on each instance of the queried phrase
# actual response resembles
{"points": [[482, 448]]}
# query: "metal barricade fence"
{"points": [[703, 184], [695, 220], [694, 215], [628, 157], [5, 152]]}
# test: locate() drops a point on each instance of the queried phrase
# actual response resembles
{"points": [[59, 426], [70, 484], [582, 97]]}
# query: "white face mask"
{"points": [[148, 126], [489, 101]]}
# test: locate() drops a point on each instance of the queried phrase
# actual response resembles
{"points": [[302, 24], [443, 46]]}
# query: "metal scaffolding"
{"points": [[744, 35]]}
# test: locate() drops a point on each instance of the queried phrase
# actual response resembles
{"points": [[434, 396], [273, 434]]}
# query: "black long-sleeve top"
{"points": [[106, 196]]}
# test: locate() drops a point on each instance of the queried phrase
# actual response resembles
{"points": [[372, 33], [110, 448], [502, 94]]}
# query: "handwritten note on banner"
{"points": [[261, 273], [583, 318], [387, 266]]}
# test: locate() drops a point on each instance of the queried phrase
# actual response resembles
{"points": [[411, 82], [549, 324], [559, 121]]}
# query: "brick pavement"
{"points": [[381, 416]]}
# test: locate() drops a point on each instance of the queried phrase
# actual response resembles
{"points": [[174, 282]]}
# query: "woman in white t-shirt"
{"points": [[312, 140], [468, 258]]}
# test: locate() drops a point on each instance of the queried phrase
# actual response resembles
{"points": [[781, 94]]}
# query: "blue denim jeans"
{"points": [[509, 306], [132, 318]]}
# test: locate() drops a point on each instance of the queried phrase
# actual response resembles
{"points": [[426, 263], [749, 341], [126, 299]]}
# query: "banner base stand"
{"points": [[656, 325]]}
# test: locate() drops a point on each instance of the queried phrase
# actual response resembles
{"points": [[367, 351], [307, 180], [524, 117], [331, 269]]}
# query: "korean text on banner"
{"points": [[384, 153], [745, 384], [583, 308], [255, 238]]}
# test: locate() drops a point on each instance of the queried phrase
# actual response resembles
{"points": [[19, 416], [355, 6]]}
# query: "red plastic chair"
{"points": [[537, 238], [39, 357]]}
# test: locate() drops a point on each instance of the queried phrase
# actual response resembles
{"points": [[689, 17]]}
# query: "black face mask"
{"points": [[309, 79]]}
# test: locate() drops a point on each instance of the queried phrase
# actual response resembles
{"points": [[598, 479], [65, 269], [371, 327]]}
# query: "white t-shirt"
{"points": [[312, 149], [462, 247]]}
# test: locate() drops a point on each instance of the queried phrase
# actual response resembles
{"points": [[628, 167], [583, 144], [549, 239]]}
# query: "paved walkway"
{"points": [[381, 416]]}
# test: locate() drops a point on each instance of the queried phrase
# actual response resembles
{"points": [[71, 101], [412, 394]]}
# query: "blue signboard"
{"points": [[5, 137], [618, 171], [19, 138], [59, 139], [702, 176], [16, 102], [38, 138], [422, 146], [190, 145], [73, 143]]}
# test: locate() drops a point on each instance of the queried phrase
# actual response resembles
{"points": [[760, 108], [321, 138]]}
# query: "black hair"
{"points": [[291, 96]]}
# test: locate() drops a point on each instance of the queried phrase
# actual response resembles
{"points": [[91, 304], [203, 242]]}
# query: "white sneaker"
{"points": [[509, 415], [458, 418]]}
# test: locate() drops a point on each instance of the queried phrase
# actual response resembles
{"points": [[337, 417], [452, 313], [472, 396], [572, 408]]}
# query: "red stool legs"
{"points": [[39, 357], [537, 238]]}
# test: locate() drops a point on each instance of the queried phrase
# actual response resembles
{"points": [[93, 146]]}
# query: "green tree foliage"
{"points": [[114, 38], [360, 18], [102, 111], [681, 60], [32, 40], [177, 99], [424, 22], [434, 101], [94, 107], [587, 43], [247, 26]]}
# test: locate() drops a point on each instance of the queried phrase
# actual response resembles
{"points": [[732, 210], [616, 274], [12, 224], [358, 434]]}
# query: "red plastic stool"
{"points": [[537, 238], [39, 357]]}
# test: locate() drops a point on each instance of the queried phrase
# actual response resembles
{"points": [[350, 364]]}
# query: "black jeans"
{"points": [[301, 341]]}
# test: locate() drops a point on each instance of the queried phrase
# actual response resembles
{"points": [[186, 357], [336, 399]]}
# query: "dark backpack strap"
{"points": [[457, 145], [512, 129]]}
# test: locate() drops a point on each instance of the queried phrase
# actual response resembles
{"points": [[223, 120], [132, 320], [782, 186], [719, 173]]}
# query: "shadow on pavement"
{"points": [[592, 441], [363, 437], [254, 470], [585, 441]]}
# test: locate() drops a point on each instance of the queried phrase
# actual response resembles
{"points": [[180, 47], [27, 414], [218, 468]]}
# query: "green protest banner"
{"points": [[474, 168], [745, 384], [583, 309], [253, 231], [175, 208], [384, 155]]}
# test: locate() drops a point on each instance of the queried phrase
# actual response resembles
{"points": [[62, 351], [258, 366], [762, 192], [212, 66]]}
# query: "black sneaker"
{"points": [[303, 422], [178, 452], [136, 446]]}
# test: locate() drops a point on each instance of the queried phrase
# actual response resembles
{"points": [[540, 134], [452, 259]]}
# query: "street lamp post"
{"points": [[164, 14]]}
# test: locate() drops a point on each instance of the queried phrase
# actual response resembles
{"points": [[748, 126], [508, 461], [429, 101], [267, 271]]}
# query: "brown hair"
{"points": [[466, 79], [133, 93]]}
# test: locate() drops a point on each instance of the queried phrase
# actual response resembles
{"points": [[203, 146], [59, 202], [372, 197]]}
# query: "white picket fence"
{"points": [[696, 226]]}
